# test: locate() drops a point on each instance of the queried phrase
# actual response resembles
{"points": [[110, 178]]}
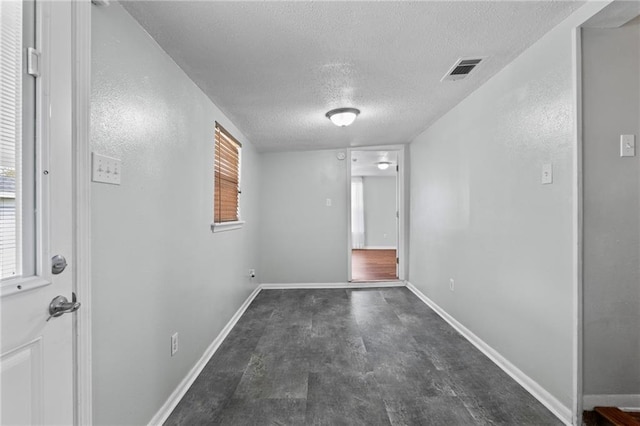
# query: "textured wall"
{"points": [[302, 240], [611, 98], [480, 215], [380, 211], [157, 267]]}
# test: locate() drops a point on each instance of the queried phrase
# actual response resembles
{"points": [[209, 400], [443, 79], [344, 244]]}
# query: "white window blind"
{"points": [[226, 176], [10, 138]]}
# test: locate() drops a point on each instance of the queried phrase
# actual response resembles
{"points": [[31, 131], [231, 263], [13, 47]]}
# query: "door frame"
{"points": [[577, 225], [608, 15], [81, 103], [401, 203]]}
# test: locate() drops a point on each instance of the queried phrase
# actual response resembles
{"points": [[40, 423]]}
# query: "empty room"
{"points": [[319, 212]]}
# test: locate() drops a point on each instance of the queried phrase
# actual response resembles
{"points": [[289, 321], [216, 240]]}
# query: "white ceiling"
{"points": [[276, 68], [365, 163]]}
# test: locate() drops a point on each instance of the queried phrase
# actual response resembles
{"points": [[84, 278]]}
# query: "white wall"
{"points": [[302, 240], [157, 267], [379, 193], [611, 102], [480, 215]]}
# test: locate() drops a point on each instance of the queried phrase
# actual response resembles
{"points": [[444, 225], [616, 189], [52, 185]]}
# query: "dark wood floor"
{"points": [[610, 416], [373, 265], [351, 357]]}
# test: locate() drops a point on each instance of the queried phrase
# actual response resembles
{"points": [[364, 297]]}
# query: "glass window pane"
{"points": [[17, 141], [10, 138]]}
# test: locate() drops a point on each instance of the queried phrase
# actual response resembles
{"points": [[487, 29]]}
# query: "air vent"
{"points": [[461, 69]]}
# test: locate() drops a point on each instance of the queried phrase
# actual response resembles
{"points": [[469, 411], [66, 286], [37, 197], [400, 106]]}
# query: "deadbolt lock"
{"points": [[58, 264]]}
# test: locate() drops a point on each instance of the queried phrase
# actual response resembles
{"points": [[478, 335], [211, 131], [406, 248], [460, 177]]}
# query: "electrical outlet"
{"points": [[174, 343], [451, 284], [252, 273]]}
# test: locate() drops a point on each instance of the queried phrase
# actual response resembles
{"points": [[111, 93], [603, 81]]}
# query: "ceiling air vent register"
{"points": [[461, 69]]}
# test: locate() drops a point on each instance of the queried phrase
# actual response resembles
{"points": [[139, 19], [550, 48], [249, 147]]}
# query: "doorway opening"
{"points": [[374, 215]]}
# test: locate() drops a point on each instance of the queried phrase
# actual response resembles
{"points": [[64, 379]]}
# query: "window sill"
{"points": [[21, 284], [226, 226]]}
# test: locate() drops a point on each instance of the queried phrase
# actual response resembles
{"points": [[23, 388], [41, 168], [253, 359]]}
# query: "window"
{"points": [[16, 144], [226, 196], [10, 138]]}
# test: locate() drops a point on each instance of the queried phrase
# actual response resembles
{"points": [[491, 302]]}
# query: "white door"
{"points": [[36, 365]]}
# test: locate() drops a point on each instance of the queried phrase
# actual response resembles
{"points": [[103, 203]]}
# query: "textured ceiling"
{"points": [[276, 68]]}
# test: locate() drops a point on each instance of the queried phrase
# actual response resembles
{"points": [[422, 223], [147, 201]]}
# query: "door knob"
{"points": [[60, 306]]}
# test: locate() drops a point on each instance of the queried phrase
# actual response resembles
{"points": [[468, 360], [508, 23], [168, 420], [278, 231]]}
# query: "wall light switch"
{"points": [[105, 169], [328, 202], [547, 174], [627, 145]]}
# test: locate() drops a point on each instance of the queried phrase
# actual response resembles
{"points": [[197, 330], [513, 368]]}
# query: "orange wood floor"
{"points": [[373, 265]]}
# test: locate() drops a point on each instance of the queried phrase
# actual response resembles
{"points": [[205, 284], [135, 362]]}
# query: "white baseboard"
{"points": [[552, 403], [290, 286], [379, 248], [167, 408], [624, 402]]}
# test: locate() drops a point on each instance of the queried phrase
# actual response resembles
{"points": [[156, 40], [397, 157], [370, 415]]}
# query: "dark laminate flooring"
{"points": [[351, 357]]}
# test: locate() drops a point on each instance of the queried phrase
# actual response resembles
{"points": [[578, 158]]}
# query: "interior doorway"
{"points": [[374, 215]]}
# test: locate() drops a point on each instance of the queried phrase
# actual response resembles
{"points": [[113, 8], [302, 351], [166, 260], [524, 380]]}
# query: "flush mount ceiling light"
{"points": [[383, 165], [343, 117]]}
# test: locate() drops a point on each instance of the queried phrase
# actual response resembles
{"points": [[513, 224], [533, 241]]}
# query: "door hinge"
{"points": [[397, 214], [397, 260], [33, 62], [397, 168]]}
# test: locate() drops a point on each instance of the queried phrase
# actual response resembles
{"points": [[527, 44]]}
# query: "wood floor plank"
{"points": [[373, 265], [616, 416]]}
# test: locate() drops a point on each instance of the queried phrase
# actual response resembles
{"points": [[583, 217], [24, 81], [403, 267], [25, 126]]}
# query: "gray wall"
{"points": [[302, 240], [480, 215], [611, 99], [157, 267], [380, 211]]}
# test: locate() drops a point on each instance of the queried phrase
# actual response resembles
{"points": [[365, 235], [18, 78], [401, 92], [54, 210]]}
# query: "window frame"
{"points": [[35, 161], [226, 225]]}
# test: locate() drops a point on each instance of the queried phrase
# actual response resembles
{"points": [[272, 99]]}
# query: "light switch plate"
{"points": [[105, 169], [547, 174], [627, 145]]}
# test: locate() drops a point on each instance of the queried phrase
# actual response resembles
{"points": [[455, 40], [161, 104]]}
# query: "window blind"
{"points": [[226, 176], [10, 137]]}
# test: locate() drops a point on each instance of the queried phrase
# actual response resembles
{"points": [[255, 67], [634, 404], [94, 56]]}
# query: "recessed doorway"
{"points": [[374, 215]]}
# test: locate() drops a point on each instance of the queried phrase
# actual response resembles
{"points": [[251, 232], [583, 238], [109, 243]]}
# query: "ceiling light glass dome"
{"points": [[343, 117]]}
